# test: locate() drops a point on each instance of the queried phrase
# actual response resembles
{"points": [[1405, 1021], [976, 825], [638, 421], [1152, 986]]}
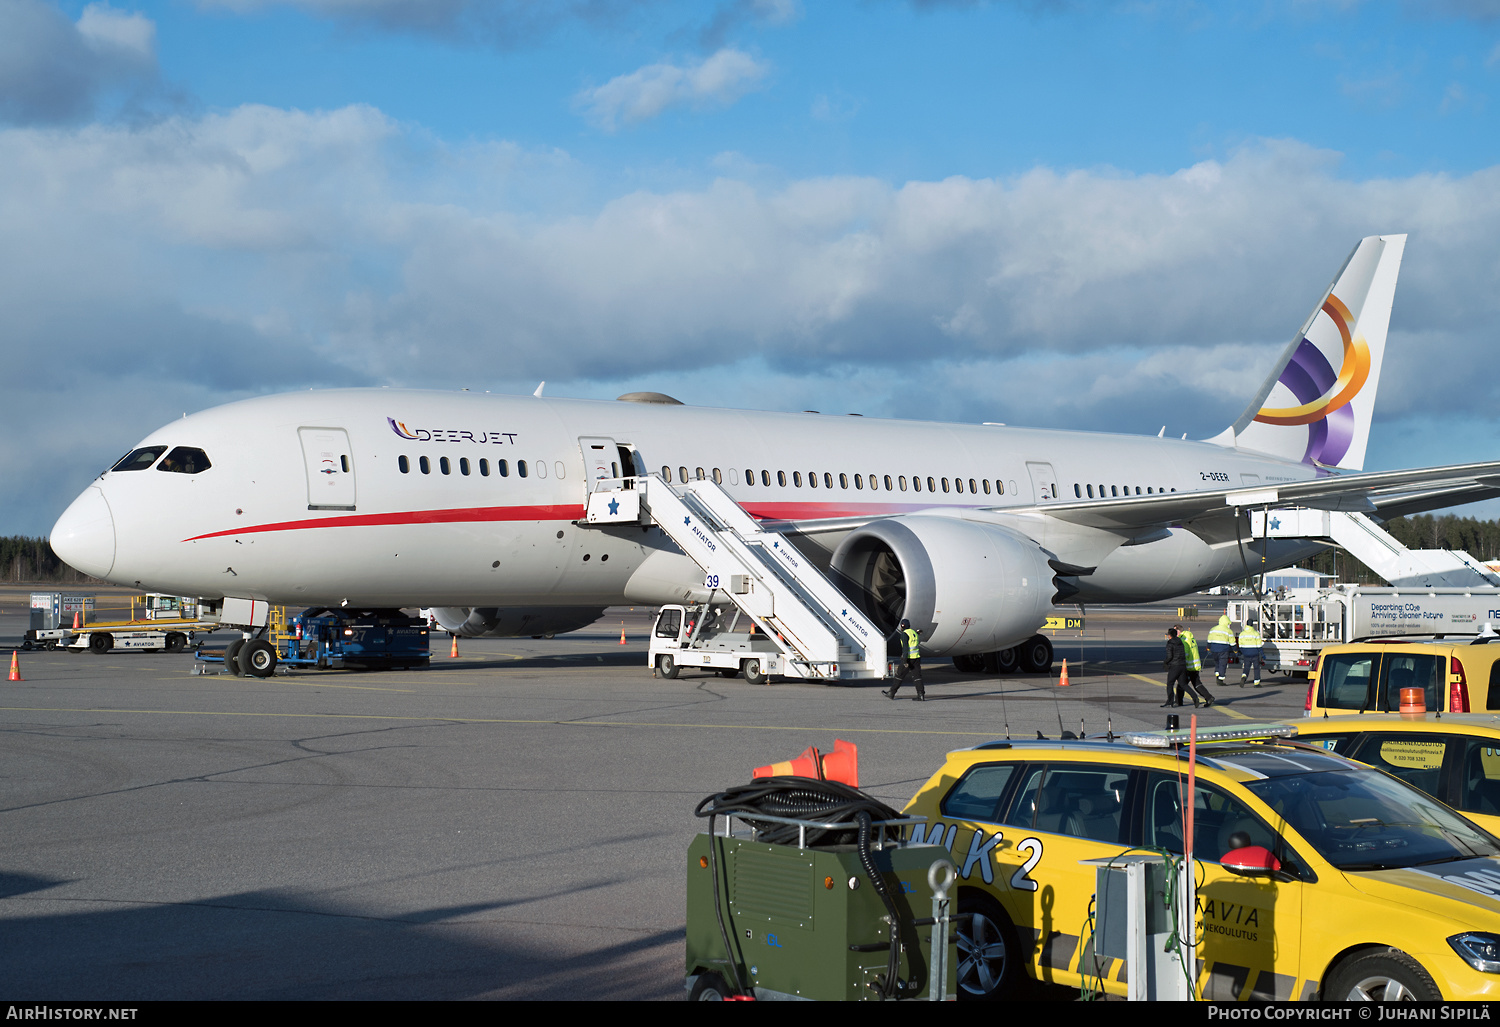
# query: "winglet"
{"points": [[1317, 402], [539, 388]]}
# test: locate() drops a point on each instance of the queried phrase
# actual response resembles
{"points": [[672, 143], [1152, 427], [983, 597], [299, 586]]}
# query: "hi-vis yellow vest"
{"points": [[913, 641]]}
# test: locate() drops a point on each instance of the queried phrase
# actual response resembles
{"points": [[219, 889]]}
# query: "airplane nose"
{"points": [[84, 536]]}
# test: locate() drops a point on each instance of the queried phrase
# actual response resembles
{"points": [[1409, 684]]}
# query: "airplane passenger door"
{"points": [[1043, 481], [601, 459], [330, 468]]}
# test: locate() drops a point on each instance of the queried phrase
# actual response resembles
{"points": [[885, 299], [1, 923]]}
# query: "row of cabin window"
{"points": [[1114, 491], [891, 485], [502, 467]]}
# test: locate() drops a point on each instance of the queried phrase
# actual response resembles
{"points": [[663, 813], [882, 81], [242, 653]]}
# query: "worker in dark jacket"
{"points": [[910, 643], [1176, 664]]}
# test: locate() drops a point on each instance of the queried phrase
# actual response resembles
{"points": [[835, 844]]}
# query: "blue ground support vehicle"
{"points": [[325, 638]]}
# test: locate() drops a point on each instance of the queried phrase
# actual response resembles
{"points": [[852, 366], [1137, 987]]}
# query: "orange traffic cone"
{"points": [[15, 667], [843, 763], [1062, 682], [840, 765], [454, 651], [77, 619], [622, 634]]}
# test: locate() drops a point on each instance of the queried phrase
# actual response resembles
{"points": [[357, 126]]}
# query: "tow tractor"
{"points": [[322, 638], [719, 638], [164, 622]]}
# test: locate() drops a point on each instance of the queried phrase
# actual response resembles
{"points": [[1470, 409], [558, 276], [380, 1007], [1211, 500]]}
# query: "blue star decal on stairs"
{"points": [[614, 507]]}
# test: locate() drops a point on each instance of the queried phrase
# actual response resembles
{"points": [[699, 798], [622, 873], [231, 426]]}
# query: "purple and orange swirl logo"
{"points": [[1324, 395]]}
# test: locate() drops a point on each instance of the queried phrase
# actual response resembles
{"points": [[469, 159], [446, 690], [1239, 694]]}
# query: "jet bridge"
{"points": [[821, 633]]}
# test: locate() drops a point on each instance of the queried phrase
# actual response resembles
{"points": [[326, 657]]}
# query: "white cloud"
{"points": [[53, 70], [114, 33], [643, 94], [195, 260]]}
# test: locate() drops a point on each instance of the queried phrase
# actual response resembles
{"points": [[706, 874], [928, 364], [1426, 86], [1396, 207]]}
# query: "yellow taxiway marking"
{"points": [[488, 720], [362, 688], [1221, 708]]}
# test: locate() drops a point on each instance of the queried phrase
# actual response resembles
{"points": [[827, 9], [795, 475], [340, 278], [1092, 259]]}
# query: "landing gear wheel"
{"points": [[754, 672], [1389, 976], [257, 658], [1035, 654], [666, 666], [972, 663], [1008, 661], [232, 655], [989, 956], [176, 642], [729, 672], [101, 642], [709, 987]]}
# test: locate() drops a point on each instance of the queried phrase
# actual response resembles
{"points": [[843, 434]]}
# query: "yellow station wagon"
{"points": [[1376, 890], [1454, 757]]}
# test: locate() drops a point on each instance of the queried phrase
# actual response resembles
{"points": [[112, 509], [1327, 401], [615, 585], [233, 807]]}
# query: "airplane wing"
{"points": [[1364, 492], [1387, 493]]}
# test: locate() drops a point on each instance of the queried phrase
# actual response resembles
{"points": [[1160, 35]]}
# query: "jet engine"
{"points": [[514, 622], [966, 586]]}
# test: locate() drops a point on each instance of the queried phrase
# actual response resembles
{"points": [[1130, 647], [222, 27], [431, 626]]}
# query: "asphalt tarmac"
{"points": [[509, 824]]}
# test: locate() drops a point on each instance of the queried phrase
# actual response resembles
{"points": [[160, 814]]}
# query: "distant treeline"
{"points": [[31, 559]]}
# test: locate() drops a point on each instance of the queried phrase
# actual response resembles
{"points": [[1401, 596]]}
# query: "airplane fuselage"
{"points": [[465, 499]]}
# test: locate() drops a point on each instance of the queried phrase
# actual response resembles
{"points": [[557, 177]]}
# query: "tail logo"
{"points": [[1323, 394]]}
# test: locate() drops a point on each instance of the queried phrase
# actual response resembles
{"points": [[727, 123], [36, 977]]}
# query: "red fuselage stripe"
{"points": [[780, 511]]}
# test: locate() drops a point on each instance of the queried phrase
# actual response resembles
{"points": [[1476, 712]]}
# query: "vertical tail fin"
{"points": [[1316, 405]]}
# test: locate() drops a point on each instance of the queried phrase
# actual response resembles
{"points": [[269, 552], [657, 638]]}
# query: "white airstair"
{"points": [[759, 571], [1368, 542]]}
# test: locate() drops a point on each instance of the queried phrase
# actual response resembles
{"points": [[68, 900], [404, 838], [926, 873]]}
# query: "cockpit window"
{"points": [[139, 459], [184, 460]]}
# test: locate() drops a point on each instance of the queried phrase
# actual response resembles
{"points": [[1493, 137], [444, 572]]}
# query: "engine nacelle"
{"points": [[966, 587], [514, 622]]}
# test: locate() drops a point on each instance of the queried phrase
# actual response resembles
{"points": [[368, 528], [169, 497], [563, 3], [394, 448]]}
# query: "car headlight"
{"points": [[1481, 951]]}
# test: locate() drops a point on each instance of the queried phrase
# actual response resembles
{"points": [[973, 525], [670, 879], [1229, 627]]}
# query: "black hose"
{"points": [[893, 959]]}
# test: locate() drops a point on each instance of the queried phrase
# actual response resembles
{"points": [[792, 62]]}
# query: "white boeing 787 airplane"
{"points": [[474, 504]]}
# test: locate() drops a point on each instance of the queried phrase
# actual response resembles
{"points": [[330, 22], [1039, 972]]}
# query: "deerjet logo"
{"points": [[494, 438], [1324, 395]]}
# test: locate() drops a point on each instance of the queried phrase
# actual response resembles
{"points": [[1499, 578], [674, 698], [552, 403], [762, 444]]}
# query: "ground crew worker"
{"points": [[1194, 660], [910, 644], [1250, 653], [1176, 666], [1220, 645]]}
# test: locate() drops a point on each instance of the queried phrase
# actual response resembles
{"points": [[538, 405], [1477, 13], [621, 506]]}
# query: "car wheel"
{"points": [[176, 642], [1008, 661], [989, 956], [1035, 654], [1388, 976], [709, 987], [101, 642], [666, 666], [257, 658], [754, 672], [232, 655]]}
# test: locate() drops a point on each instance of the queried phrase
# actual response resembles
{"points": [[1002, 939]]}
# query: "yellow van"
{"points": [[1456, 675]]}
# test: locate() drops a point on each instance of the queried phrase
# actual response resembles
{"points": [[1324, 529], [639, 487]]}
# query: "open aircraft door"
{"points": [[330, 468], [604, 458]]}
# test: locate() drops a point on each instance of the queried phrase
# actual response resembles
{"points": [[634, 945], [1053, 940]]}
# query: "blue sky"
{"points": [[1094, 215]]}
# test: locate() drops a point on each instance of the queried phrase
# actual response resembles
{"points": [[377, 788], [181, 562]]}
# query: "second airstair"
{"points": [[821, 632], [1377, 548]]}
